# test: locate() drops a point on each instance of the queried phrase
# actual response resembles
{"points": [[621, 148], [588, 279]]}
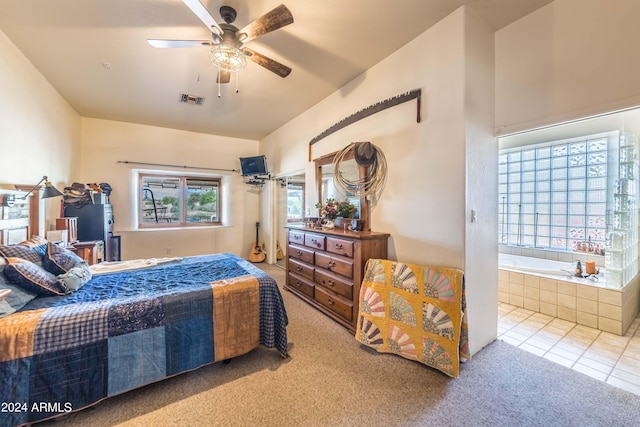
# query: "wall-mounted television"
{"points": [[253, 166]]}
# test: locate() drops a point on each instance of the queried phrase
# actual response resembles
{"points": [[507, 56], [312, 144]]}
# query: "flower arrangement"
{"points": [[331, 209], [346, 209]]}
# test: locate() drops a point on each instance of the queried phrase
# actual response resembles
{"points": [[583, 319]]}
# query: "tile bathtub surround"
{"points": [[611, 358], [610, 310]]}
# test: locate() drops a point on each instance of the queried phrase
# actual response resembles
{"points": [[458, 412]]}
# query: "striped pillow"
{"points": [[37, 243], [59, 260], [32, 277], [20, 251]]}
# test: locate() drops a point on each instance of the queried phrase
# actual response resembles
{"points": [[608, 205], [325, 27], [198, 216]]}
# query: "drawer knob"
{"points": [[330, 301], [332, 263], [332, 283], [299, 253], [339, 245], [298, 284], [299, 268]]}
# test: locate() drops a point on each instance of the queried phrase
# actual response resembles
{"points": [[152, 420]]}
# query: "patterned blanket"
{"points": [[417, 312], [124, 330]]}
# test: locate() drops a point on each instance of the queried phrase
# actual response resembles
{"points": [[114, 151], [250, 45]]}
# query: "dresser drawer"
{"points": [[301, 253], [342, 266], [300, 269], [301, 284], [335, 304], [296, 237], [340, 246], [334, 283], [315, 241]]}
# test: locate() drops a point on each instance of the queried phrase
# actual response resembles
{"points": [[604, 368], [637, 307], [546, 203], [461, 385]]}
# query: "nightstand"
{"points": [[90, 251]]}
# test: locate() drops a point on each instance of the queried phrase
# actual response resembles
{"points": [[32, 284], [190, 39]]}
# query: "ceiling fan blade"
{"points": [[203, 14], [223, 76], [268, 63], [179, 43], [276, 18]]}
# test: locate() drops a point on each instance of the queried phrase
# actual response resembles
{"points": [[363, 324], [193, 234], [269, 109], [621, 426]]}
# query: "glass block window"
{"points": [[554, 194]]}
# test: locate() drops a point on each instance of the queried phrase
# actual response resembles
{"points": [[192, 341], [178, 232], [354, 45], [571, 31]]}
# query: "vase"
{"points": [[329, 225]]}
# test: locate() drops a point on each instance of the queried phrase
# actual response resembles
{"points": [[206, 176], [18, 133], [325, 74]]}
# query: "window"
{"points": [[178, 201], [554, 194]]}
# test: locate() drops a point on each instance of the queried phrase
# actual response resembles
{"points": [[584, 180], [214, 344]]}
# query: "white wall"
{"points": [[106, 142], [39, 131], [481, 255], [424, 203], [568, 60]]}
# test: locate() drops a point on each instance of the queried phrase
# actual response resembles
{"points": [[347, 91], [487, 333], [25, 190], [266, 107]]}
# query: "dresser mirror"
{"points": [[328, 189]]}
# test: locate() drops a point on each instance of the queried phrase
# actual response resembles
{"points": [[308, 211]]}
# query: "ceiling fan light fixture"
{"points": [[227, 58]]}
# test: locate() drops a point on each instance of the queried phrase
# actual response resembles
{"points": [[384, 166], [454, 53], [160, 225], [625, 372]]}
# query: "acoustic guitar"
{"points": [[257, 251], [279, 252]]}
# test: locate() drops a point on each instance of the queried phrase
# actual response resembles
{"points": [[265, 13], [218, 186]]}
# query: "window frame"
{"points": [[182, 211]]}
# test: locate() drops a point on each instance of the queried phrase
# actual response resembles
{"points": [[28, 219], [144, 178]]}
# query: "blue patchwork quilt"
{"points": [[127, 329]]}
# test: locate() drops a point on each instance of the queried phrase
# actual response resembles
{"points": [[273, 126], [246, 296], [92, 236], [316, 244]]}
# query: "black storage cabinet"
{"points": [[95, 222]]}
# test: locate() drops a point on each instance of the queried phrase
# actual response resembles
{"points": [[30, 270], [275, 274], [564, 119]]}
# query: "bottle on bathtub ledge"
{"points": [[579, 269]]}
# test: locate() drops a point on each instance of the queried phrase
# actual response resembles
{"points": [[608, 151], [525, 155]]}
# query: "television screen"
{"points": [[256, 165]]}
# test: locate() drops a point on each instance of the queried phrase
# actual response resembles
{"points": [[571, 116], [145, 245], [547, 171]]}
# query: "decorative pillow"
{"points": [[21, 251], [32, 277], [37, 243], [18, 297], [75, 278], [59, 260]]}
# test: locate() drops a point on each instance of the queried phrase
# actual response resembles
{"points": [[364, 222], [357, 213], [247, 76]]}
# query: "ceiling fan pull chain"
{"points": [[219, 96], [237, 78]]}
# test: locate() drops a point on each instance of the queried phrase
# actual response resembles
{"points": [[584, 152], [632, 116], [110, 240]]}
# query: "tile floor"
{"points": [[607, 357]]}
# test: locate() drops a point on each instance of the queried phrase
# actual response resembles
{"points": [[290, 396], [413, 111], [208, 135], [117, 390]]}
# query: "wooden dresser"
{"points": [[325, 268]]}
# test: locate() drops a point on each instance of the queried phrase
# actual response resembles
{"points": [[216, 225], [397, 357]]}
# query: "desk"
{"points": [[90, 251]]}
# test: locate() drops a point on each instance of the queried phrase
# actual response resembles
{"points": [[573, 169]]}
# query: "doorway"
{"points": [[290, 202]]}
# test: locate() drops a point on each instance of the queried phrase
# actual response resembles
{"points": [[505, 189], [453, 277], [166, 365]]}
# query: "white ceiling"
{"points": [[95, 53]]}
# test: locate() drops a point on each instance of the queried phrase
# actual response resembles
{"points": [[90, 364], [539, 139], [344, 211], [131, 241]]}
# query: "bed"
{"points": [[126, 329], [122, 330]]}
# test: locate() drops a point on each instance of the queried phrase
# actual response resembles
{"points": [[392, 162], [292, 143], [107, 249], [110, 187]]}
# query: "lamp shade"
{"points": [[50, 191]]}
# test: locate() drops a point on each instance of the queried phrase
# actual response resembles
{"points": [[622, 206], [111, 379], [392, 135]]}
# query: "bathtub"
{"points": [[536, 265], [550, 287]]}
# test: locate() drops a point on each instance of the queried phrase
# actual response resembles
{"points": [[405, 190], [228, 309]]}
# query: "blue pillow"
{"points": [[32, 277], [17, 299], [37, 243], [59, 260]]}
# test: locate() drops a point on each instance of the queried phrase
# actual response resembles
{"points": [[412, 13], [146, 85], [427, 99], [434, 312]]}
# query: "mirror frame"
{"points": [[327, 159]]}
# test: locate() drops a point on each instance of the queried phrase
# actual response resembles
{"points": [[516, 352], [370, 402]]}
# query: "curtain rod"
{"points": [[176, 166]]}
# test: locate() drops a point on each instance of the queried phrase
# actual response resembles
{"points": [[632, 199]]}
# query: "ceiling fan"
{"points": [[228, 52]]}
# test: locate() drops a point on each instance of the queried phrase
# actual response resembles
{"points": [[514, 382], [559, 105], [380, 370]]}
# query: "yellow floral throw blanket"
{"points": [[417, 312]]}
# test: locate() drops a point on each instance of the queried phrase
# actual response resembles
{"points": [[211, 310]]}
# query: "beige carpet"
{"points": [[332, 380]]}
